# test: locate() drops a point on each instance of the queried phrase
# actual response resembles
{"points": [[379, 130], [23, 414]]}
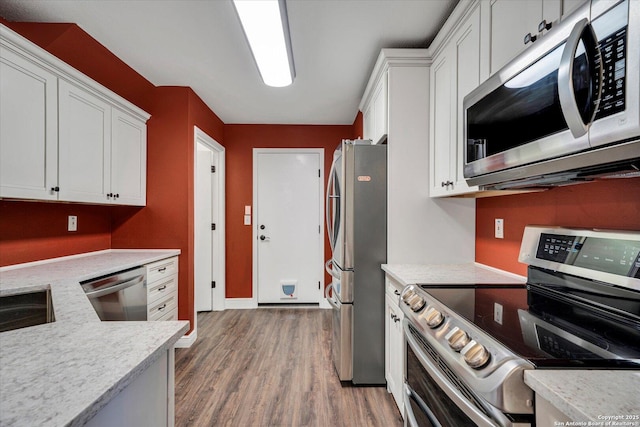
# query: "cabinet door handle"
{"points": [[397, 292], [162, 307], [544, 25], [162, 288], [109, 195], [529, 38], [396, 319], [55, 189]]}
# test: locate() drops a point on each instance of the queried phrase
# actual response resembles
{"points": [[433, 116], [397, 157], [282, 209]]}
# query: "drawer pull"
{"points": [[162, 288], [162, 270], [162, 307]]}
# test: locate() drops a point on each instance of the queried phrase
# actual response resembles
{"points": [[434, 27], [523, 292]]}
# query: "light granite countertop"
{"points": [[410, 274], [63, 373], [590, 395]]}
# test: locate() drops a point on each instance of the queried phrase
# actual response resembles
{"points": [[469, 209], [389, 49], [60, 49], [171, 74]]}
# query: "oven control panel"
{"points": [[611, 256]]}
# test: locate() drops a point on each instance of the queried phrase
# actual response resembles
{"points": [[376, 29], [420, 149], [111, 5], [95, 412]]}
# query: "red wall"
{"points": [[239, 143], [613, 204], [31, 231]]}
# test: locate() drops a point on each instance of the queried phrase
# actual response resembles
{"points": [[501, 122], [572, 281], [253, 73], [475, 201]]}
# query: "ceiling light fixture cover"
{"points": [[266, 28]]}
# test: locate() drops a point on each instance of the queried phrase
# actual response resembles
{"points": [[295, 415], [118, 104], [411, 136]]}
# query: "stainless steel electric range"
{"points": [[469, 345]]}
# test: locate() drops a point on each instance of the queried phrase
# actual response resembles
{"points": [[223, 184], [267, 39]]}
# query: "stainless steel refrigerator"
{"points": [[357, 226]]}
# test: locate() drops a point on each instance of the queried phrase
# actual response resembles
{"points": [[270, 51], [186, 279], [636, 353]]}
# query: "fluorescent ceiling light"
{"points": [[266, 28]]}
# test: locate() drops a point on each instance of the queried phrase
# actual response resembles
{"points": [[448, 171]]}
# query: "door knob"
{"points": [[263, 237]]}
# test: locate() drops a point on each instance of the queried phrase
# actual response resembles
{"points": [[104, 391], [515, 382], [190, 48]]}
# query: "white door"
{"points": [[203, 237], [288, 225], [209, 229]]}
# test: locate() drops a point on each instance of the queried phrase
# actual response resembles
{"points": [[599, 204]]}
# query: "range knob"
{"points": [[433, 318], [416, 303], [476, 355], [457, 339], [407, 294]]}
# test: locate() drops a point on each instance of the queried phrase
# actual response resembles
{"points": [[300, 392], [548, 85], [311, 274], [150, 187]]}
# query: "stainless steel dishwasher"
{"points": [[119, 296]]}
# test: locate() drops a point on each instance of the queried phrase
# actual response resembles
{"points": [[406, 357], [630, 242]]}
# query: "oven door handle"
{"points": [[481, 419], [411, 418]]}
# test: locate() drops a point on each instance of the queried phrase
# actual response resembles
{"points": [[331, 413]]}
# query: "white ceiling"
{"points": [[199, 43]]}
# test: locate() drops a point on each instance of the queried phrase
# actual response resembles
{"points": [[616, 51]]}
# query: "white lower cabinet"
{"points": [[162, 289], [394, 343], [148, 401]]}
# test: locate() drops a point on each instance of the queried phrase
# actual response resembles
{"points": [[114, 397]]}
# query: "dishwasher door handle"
{"points": [[115, 287]]}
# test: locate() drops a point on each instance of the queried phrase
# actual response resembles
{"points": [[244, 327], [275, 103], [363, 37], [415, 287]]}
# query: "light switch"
{"points": [[247, 210], [247, 220], [499, 232], [72, 224]]}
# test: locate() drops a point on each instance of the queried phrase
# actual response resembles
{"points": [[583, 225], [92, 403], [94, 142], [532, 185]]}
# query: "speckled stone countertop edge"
{"points": [[90, 411], [589, 395], [410, 274]]}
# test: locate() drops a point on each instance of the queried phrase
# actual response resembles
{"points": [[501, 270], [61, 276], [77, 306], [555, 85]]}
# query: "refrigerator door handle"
{"points": [[330, 299], [330, 270], [330, 196]]}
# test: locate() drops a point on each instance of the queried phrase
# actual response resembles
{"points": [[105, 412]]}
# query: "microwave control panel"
{"points": [[613, 57]]}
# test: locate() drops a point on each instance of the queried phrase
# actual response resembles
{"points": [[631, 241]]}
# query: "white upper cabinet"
{"points": [[511, 26], [128, 159], [28, 129], [84, 145], [375, 112], [454, 73], [63, 136]]}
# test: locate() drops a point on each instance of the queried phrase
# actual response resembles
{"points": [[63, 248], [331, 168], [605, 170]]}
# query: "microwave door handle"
{"points": [[566, 93]]}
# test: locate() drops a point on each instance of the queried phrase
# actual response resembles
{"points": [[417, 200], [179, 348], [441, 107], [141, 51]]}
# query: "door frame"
{"points": [[254, 232], [219, 293]]}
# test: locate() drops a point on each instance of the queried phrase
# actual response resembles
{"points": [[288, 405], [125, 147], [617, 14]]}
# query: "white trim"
{"points": [[240, 303], [187, 340], [199, 136], [254, 233], [392, 58]]}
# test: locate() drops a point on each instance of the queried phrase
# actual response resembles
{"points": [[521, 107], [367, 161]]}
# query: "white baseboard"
{"points": [[187, 341], [240, 303]]}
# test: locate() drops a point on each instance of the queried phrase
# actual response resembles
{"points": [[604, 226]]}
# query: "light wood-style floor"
{"points": [[271, 367]]}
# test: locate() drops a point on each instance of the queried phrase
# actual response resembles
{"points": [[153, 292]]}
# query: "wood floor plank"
{"points": [[271, 367]]}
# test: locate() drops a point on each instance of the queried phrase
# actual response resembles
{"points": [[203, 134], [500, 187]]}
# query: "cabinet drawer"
{"points": [[172, 315], [162, 268], [160, 308], [161, 288], [393, 289]]}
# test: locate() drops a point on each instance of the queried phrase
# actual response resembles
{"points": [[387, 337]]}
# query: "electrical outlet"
{"points": [[72, 225], [499, 233], [497, 313]]}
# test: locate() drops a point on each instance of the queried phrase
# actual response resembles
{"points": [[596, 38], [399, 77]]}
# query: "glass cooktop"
{"points": [[544, 326]]}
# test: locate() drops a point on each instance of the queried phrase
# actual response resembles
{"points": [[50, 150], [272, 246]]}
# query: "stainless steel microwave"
{"points": [[566, 110]]}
